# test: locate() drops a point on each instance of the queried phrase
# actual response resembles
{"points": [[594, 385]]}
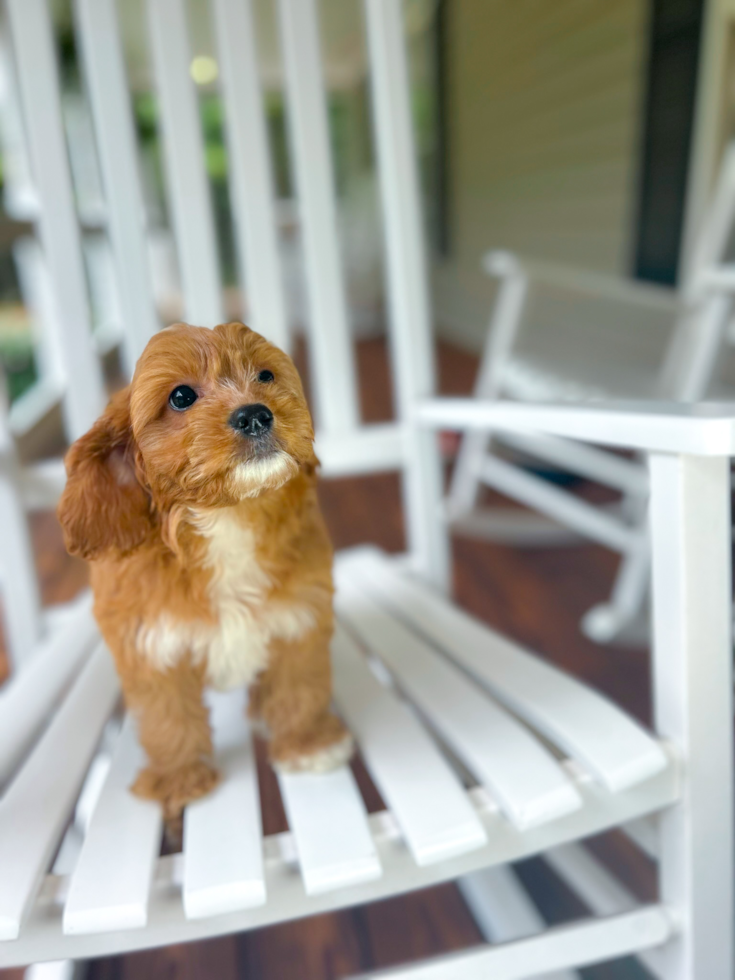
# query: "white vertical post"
{"points": [[707, 335], [332, 354], [411, 332], [31, 31], [716, 227], [502, 331], [19, 194], [692, 660], [250, 171], [20, 593], [186, 173], [108, 91]]}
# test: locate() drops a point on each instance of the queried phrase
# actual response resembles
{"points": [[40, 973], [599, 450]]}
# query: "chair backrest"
{"points": [[577, 333], [344, 443]]}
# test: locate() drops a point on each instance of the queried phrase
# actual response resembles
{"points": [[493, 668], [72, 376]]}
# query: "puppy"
{"points": [[194, 498]]}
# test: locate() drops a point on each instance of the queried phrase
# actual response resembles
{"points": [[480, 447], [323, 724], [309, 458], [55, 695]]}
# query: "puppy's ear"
{"points": [[104, 509]]}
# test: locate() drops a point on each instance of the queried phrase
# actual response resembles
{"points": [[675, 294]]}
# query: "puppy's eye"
{"points": [[265, 377], [182, 398]]}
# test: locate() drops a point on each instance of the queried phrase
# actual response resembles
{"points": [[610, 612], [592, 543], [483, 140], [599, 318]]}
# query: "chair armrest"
{"points": [[616, 288], [703, 429]]}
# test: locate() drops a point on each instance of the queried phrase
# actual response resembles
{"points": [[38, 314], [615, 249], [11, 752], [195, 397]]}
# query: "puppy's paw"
{"points": [[325, 748], [177, 787]]}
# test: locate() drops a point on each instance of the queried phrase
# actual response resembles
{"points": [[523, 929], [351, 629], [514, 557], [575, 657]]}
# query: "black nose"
{"points": [[252, 420]]}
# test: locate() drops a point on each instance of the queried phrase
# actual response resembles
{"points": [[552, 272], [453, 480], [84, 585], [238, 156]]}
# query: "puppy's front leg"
{"points": [[173, 727], [292, 696]]}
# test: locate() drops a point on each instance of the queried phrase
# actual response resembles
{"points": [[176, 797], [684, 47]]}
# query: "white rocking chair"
{"points": [[593, 336], [550, 761]]}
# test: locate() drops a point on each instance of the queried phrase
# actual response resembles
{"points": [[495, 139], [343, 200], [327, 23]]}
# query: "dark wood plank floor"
{"points": [[536, 596]]}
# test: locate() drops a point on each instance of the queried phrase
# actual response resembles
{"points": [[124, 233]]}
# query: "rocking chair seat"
{"points": [[482, 752]]}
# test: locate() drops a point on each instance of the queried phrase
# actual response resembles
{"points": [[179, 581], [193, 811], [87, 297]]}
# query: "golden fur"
{"points": [[211, 563]]}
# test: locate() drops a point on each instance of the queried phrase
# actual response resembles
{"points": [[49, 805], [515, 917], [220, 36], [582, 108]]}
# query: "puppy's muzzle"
{"points": [[253, 421]]}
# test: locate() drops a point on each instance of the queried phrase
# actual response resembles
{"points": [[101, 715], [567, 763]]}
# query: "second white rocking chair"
{"points": [[634, 340]]}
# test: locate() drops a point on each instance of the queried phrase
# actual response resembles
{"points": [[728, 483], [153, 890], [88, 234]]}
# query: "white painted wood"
{"points": [[573, 945], [55, 970], [504, 911], [414, 779], [699, 314], [28, 699], [704, 429], [715, 224], [287, 899], [109, 331], [187, 185], [583, 517], [330, 336], [636, 292], [410, 318], [519, 772], [709, 333], [34, 404], [693, 684], [250, 172], [20, 199], [368, 449], [513, 525], [39, 299], [591, 881], [600, 890], [644, 834], [327, 817], [41, 484], [577, 457], [20, 592], [581, 722], [109, 886], [107, 86], [31, 32], [627, 607], [42, 937], [223, 847], [35, 807], [502, 330]]}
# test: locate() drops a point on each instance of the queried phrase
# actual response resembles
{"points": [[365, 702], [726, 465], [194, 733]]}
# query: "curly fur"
{"points": [[211, 564]]}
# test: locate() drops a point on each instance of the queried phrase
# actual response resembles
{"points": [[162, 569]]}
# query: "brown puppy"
{"points": [[194, 498]]}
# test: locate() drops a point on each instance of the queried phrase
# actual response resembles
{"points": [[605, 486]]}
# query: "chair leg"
{"points": [[624, 613], [692, 665]]}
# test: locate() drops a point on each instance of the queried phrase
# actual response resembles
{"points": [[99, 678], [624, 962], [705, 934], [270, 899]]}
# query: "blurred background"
{"points": [[587, 133]]}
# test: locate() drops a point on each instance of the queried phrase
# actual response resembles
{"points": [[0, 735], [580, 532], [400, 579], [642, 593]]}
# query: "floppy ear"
{"points": [[104, 509]]}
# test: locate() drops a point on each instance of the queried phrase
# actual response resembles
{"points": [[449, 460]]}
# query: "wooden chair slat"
{"points": [[415, 780], [583, 723], [31, 31], [250, 172], [187, 184], [110, 884], [223, 835], [38, 802], [101, 48], [29, 697], [327, 817], [520, 773], [335, 380]]}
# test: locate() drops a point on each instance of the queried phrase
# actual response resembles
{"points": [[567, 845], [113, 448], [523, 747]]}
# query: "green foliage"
{"points": [[17, 363]]}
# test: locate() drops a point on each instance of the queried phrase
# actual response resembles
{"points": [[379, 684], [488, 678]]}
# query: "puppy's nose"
{"points": [[252, 420]]}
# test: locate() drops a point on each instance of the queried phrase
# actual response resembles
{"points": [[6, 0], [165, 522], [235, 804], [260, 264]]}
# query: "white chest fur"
{"points": [[236, 647]]}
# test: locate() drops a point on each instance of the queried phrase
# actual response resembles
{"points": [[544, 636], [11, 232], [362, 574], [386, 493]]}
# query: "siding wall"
{"points": [[544, 115]]}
